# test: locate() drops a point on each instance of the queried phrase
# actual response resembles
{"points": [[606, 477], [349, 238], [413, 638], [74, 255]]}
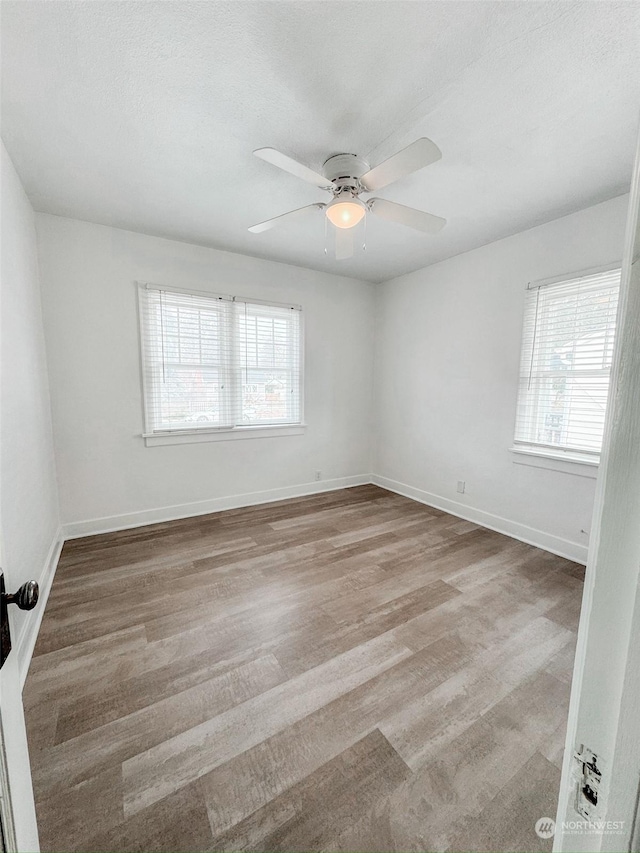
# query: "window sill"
{"points": [[565, 463], [195, 436]]}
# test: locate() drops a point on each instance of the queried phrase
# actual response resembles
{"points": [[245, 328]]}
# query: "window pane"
{"points": [[269, 338], [569, 412], [568, 338], [213, 362], [190, 396], [266, 395]]}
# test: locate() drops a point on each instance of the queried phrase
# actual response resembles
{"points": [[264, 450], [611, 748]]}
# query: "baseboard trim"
{"points": [[31, 627], [531, 535], [109, 524]]}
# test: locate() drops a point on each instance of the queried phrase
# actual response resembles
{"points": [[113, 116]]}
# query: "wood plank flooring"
{"points": [[351, 671]]}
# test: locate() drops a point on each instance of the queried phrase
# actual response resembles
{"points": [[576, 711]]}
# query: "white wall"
{"points": [[447, 359], [28, 495], [108, 478]]}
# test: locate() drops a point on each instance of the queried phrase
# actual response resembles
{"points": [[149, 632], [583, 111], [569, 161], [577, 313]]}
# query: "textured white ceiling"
{"points": [[143, 115]]}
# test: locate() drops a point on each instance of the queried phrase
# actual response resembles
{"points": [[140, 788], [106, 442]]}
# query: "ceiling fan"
{"points": [[346, 177]]}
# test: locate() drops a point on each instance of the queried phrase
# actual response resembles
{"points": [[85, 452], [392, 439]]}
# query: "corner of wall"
{"points": [[531, 535]]}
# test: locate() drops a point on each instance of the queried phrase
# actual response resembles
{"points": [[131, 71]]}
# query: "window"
{"points": [[567, 350], [218, 362]]}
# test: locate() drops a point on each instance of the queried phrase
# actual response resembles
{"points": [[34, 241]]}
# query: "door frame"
{"points": [[605, 694], [7, 827]]}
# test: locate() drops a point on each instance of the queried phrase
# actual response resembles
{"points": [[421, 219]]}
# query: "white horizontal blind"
{"points": [[567, 349], [218, 362], [268, 357]]}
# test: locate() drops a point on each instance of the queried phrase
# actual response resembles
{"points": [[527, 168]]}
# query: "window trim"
{"points": [[582, 463], [535, 457], [196, 435]]}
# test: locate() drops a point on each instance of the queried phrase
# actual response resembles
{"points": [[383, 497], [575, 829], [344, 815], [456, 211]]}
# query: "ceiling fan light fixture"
{"points": [[345, 212]]}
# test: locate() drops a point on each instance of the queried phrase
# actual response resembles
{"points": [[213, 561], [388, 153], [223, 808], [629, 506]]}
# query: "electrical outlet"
{"points": [[318, 475], [461, 487]]}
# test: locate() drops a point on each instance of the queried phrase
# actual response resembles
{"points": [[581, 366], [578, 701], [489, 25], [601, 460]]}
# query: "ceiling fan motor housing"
{"points": [[344, 171]]}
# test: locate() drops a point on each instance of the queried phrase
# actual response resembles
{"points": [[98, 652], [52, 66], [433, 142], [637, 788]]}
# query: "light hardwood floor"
{"points": [[351, 671]]}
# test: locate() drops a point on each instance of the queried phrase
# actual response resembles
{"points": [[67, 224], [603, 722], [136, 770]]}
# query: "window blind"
{"points": [[567, 351], [218, 362]]}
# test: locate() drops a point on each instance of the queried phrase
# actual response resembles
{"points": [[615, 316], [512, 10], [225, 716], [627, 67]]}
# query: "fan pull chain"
{"points": [[325, 236], [364, 238]]}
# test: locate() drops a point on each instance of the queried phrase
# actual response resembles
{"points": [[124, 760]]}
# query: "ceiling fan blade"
{"points": [[403, 215], [276, 158], [292, 214], [344, 243], [416, 156]]}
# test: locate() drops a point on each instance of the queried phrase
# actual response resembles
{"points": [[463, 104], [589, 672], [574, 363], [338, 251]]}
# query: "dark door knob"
{"points": [[26, 597]]}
